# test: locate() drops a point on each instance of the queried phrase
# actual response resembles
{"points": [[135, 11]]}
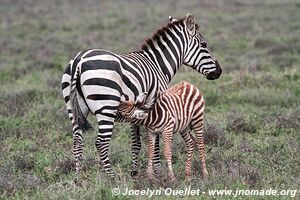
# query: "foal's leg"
{"points": [[168, 137], [190, 148], [136, 147], [198, 128], [150, 151]]}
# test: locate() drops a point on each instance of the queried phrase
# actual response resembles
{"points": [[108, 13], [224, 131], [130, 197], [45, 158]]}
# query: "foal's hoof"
{"points": [[188, 179], [173, 179], [133, 174], [205, 174]]}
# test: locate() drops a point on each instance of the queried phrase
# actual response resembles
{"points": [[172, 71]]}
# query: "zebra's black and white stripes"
{"points": [[95, 80]]}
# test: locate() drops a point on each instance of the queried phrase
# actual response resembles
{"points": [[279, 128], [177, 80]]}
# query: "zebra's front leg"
{"points": [[156, 159], [106, 124], [135, 148]]}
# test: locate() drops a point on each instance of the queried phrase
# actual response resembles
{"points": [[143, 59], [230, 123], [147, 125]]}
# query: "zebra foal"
{"points": [[178, 109]]}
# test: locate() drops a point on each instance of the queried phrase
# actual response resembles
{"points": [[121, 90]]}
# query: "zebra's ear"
{"points": [[171, 19], [190, 23], [141, 99]]}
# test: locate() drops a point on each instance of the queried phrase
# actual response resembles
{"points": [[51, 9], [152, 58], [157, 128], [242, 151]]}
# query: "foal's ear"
{"points": [[124, 105], [141, 99]]}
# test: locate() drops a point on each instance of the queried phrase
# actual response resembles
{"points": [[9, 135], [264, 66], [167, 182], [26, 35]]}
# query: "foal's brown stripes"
{"points": [[178, 109]]}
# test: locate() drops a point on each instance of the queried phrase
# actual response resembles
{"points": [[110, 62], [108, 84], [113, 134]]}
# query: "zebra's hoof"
{"points": [[133, 173], [153, 180], [158, 169], [78, 183]]}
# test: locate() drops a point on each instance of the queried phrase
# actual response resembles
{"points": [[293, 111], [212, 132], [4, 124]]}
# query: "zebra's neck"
{"points": [[166, 49]]}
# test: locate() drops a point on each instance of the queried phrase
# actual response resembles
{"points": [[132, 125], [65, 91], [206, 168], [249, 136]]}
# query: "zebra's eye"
{"points": [[204, 44]]}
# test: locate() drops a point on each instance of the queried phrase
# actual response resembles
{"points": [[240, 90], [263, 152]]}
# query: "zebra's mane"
{"points": [[161, 32]]}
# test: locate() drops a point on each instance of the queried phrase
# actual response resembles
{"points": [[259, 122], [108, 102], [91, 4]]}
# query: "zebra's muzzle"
{"points": [[216, 73]]}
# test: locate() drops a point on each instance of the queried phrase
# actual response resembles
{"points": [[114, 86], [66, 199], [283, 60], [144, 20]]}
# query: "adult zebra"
{"points": [[95, 80]]}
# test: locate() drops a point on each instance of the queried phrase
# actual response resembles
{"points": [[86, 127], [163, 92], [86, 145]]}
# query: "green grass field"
{"points": [[252, 120]]}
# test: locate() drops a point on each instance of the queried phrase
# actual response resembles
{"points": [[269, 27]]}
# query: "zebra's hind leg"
{"points": [[189, 142], [135, 148], [78, 142], [78, 146], [106, 124]]}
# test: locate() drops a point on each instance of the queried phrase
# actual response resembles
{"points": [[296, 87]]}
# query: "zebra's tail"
{"points": [[79, 118]]}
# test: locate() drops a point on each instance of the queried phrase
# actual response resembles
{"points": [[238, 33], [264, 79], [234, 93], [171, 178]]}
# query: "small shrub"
{"points": [[245, 173], [213, 134], [251, 176], [66, 165], [15, 183], [288, 121], [245, 146], [24, 163], [238, 123], [16, 103], [6, 185]]}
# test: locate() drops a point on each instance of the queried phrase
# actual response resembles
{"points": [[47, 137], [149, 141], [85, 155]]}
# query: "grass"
{"points": [[252, 118]]}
